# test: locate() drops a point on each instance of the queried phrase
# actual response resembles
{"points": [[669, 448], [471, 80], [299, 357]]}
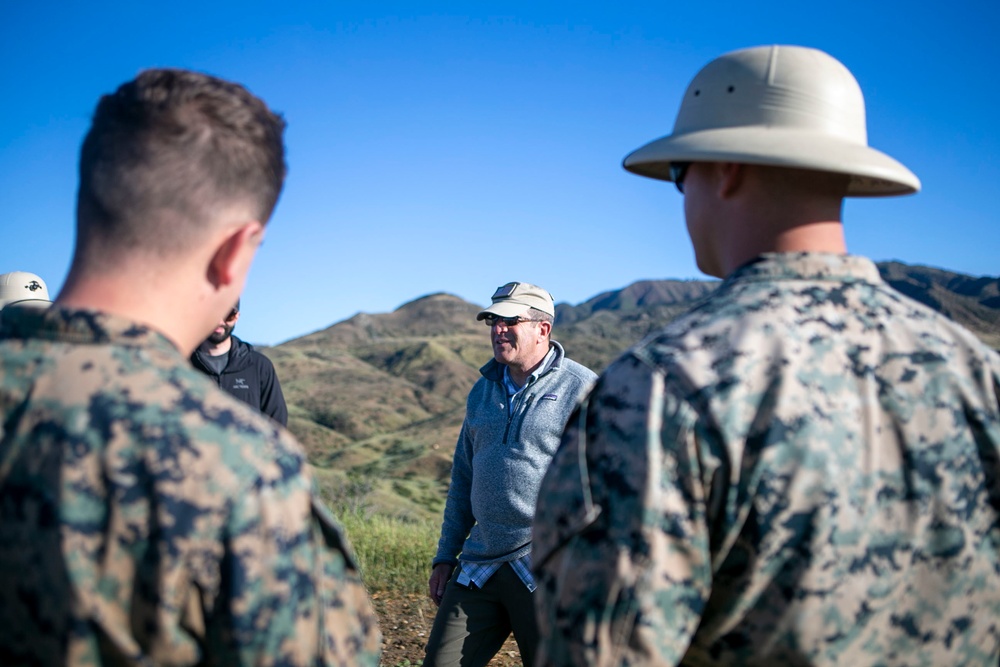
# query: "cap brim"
{"points": [[874, 174], [29, 303], [504, 309]]}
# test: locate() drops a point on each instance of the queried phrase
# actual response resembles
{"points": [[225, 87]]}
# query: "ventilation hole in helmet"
{"points": [[697, 93], [731, 89]]}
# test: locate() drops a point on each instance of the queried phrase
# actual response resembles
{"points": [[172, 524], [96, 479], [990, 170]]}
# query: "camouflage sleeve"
{"points": [[292, 593], [621, 545]]}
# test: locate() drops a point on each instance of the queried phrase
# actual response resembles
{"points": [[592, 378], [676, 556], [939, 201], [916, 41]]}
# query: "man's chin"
{"points": [[500, 357], [216, 339]]}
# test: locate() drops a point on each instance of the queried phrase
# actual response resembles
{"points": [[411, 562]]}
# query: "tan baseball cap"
{"points": [[514, 299], [23, 287]]}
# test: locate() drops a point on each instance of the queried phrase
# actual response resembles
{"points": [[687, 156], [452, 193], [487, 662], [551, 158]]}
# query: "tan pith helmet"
{"points": [[784, 106], [23, 287]]}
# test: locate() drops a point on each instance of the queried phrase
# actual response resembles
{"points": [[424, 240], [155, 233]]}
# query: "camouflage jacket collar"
{"points": [[808, 266], [79, 326]]}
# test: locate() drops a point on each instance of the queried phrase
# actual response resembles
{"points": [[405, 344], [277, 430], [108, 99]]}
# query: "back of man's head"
{"points": [[166, 156]]}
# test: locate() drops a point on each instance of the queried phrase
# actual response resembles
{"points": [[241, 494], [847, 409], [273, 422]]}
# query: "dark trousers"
{"points": [[473, 623]]}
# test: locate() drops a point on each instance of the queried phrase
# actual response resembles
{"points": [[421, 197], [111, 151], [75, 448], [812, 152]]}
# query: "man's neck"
{"points": [[217, 349], [768, 219], [143, 298], [827, 237]]}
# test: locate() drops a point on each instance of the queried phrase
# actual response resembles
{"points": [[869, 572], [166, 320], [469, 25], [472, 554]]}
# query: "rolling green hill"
{"points": [[378, 400]]}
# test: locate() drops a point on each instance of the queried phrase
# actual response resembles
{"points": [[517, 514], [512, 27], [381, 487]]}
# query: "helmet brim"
{"points": [[873, 173]]}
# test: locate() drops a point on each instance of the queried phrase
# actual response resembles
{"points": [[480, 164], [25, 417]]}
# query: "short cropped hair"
{"points": [[539, 316], [168, 152]]}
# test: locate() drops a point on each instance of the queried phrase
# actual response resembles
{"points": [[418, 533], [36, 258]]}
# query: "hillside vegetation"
{"points": [[378, 400]]}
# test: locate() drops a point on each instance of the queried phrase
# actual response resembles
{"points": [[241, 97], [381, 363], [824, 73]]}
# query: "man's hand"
{"points": [[439, 579]]}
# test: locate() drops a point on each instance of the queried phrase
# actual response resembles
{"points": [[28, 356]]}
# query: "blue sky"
{"points": [[452, 147]]}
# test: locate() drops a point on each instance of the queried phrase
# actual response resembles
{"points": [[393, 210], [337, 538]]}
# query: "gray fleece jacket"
{"points": [[501, 457]]}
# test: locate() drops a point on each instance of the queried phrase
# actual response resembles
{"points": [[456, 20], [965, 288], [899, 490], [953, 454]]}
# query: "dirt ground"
{"points": [[406, 621]]}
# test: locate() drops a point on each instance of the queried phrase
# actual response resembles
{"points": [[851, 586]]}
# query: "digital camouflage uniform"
{"points": [[802, 470], [148, 518]]}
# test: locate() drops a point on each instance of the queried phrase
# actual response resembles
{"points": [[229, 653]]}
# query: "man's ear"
{"points": [[234, 253], [545, 328], [730, 176]]}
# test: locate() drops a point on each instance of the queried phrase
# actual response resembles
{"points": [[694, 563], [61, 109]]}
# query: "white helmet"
{"points": [[23, 287], [784, 106]]}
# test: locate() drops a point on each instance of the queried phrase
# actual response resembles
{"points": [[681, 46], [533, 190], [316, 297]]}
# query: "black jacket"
{"points": [[250, 377]]}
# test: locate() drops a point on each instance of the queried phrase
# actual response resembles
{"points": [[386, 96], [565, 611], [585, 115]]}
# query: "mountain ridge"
{"points": [[377, 400]]}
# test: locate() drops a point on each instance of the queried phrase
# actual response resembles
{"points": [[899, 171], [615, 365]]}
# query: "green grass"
{"points": [[394, 554]]}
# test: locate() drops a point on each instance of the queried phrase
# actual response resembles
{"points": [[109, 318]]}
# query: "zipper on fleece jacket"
{"points": [[513, 410], [520, 424]]}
